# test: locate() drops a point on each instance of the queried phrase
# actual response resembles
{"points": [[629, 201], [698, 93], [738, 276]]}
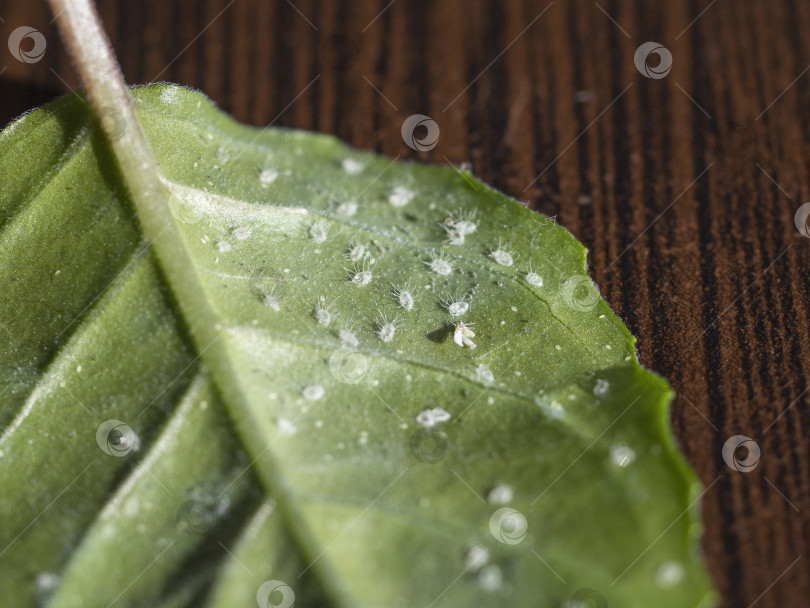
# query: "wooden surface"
{"points": [[683, 188]]}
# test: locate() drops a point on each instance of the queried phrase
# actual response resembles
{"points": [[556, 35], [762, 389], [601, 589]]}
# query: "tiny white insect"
{"points": [[501, 494], [322, 313], [439, 264], [352, 166], [404, 295], [267, 176], [355, 252], [490, 578], [462, 222], [533, 279], [242, 233], [385, 328], [361, 275], [601, 387], [553, 410], [622, 454], [347, 208], [431, 417], [484, 374], [454, 237], [318, 231], [313, 392], [501, 255], [285, 426], [462, 335], [347, 337], [476, 557], [271, 300], [669, 574], [400, 196], [454, 305]]}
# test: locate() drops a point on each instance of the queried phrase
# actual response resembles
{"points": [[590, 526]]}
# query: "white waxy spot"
{"points": [[500, 494], [132, 506], [601, 387], [439, 264], [484, 374], [349, 208], [79, 368], [223, 246], [490, 400], [514, 309], [669, 574], [321, 313], [490, 578], [268, 176], [431, 417], [285, 426], [47, 582], [534, 279], [404, 296], [400, 196], [347, 337], [476, 557], [318, 231], [622, 454], [352, 166], [313, 392]]}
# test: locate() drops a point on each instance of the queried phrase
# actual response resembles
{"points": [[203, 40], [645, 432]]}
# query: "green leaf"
{"points": [[381, 455]]}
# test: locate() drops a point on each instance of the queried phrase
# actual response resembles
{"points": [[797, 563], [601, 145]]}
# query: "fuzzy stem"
{"points": [[109, 98]]}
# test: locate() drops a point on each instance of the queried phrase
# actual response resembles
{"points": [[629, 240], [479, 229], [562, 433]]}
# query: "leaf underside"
{"points": [[331, 481]]}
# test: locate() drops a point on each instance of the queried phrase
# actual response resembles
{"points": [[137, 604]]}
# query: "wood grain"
{"points": [[683, 188]]}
